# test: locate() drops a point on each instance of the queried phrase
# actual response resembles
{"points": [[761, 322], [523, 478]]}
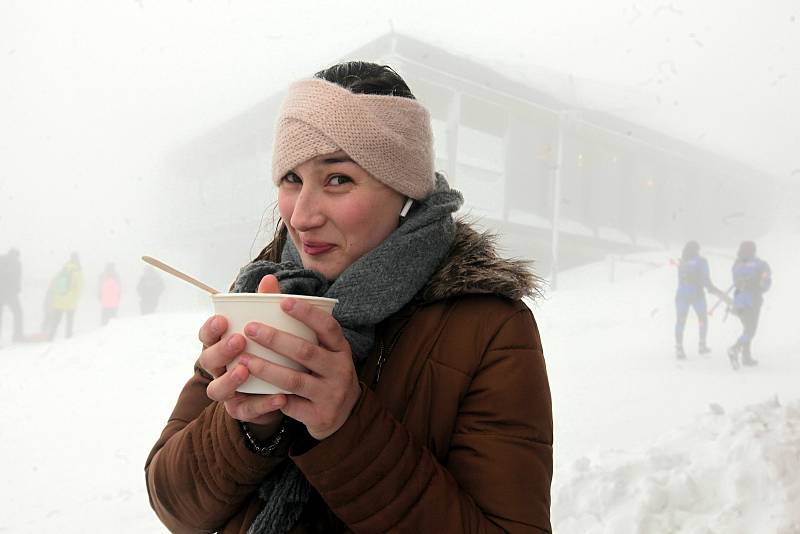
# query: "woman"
{"points": [[149, 288], [694, 278], [62, 297], [427, 406], [110, 294], [752, 277]]}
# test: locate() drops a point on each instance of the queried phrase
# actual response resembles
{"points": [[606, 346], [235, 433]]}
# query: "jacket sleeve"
{"points": [[709, 285], [200, 473], [497, 473]]}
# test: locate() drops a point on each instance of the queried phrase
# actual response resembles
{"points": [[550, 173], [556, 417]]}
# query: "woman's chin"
{"points": [[328, 269]]}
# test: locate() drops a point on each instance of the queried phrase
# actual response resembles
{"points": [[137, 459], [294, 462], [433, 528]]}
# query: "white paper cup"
{"points": [[242, 308]]}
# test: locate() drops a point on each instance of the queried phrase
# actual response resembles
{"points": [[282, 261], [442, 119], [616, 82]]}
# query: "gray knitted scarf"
{"points": [[373, 288]]}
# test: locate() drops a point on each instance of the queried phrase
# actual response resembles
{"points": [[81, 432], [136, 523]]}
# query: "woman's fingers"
{"points": [[212, 330], [216, 357], [298, 408], [269, 284], [254, 408], [307, 354], [320, 421], [328, 329], [224, 386], [297, 382], [242, 406]]}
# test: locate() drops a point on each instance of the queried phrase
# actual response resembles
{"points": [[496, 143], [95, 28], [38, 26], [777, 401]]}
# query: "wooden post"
{"points": [[563, 117]]}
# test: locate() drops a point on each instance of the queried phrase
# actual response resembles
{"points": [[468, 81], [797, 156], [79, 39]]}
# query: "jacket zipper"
{"points": [[383, 355]]}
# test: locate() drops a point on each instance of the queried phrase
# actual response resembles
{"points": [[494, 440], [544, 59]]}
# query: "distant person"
{"points": [[64, 292], [10, 285], [150, 287], [751, 278], [110, 293], [694, 278]]}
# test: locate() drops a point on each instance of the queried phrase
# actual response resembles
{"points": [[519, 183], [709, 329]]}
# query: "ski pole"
{"points": [[722, 297]]}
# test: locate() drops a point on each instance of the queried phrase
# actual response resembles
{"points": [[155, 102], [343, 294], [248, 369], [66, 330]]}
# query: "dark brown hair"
{"points": [[362, 77]]}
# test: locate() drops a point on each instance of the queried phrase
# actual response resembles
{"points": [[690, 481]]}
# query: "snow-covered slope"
{"points": [[635, 438], [80, 417], [643, 444]]}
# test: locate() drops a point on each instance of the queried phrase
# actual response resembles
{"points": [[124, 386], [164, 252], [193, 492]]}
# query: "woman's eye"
{"points": [[339, 179], [291, 178]]}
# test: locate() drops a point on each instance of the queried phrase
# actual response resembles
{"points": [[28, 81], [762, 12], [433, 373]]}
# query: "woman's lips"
{"points": [[313, 249]]}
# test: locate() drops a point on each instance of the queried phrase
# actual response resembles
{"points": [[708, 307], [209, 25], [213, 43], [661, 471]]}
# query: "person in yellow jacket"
{"points": [[63, 294]]}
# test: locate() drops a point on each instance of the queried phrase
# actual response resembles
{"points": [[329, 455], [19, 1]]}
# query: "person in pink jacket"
{"points": [[110, 293]]}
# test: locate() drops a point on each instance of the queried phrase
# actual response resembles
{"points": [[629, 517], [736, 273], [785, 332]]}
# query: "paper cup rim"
{"points": [[270, 296]]}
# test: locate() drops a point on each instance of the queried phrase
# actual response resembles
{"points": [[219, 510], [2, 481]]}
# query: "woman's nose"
{"points": [[307, 213]]}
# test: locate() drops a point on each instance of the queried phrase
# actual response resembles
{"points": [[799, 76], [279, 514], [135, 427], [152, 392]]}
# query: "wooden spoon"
{"points": [[175, 272]]}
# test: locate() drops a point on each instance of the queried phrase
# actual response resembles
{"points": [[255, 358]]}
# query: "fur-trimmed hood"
{"points": [[474, 267]]}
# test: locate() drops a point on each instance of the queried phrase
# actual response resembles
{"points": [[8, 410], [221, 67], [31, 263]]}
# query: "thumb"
{"points": [[269, 284]]}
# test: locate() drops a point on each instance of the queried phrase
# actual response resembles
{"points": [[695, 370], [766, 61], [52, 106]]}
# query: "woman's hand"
{"points": [[323, 398], [262, 411]]}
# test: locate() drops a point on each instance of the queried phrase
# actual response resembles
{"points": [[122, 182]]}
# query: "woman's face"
{"points": [[336, 211]]}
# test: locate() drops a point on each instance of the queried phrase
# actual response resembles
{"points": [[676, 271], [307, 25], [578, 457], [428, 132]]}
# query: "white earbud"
{"points": [[406, 207]]}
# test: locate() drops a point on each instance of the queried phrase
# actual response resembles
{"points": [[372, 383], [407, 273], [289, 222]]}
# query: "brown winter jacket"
{"points": [[453, 433]]}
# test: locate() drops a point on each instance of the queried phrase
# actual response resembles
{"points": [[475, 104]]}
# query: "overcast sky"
{"points": [[94, 93]]}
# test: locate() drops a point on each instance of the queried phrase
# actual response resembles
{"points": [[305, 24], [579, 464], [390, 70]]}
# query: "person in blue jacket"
{"points": [[751, 278], [694, 278]]}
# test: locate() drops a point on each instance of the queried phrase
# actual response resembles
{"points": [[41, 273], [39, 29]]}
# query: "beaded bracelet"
{"points": [[257, 447]]}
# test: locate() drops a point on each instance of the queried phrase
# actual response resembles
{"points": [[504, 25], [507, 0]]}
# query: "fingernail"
{"points": [[216, 324], [251, 329], [233, 342], [288, 304], [239, 373]]}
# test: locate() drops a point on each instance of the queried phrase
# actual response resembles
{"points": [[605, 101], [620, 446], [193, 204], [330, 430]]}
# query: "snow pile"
{"points": [[736, 473]]}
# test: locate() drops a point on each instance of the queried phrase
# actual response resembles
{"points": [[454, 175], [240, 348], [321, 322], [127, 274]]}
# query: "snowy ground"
{"points": [[643, 443], [646, 444]]}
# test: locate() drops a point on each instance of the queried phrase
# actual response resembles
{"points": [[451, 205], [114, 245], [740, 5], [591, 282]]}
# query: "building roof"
{"points": [[502, 81]]}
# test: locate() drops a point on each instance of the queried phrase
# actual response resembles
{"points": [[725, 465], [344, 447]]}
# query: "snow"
{"points": [[97, 94], [80, 417], [721, 473], [642, 443]]}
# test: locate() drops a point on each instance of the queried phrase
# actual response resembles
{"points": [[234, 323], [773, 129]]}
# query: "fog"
{"points": [[141, 127], [97, 97]]}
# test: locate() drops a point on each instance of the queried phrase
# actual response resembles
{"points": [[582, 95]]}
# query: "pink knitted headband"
{"points": [[389, 136]]}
